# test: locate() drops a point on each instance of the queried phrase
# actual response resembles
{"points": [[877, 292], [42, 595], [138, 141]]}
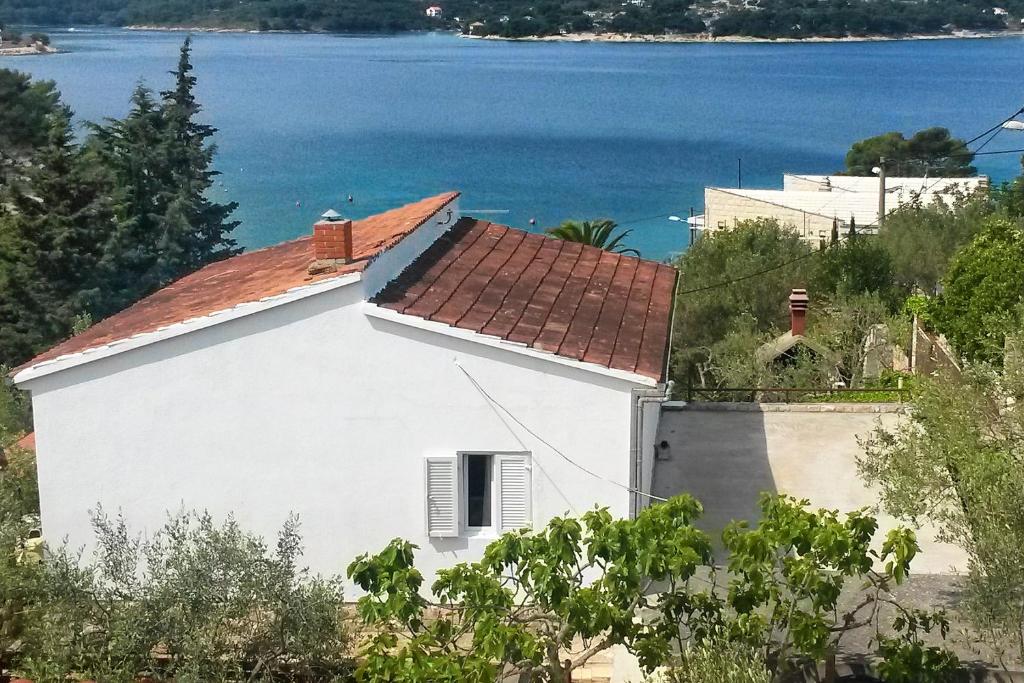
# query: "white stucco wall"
{"points": [[726, 455], [316, 408], [723, 210]]}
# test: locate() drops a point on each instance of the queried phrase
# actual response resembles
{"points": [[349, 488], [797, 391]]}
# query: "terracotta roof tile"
{"points": [[565, 298], [572, 300], [27, 442], [251, 276]]}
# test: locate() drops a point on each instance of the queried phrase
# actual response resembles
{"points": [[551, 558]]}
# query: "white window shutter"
{"points": [[442, 493], [515, 492]]}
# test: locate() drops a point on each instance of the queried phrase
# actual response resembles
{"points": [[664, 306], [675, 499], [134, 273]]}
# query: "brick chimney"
{"points": [[798, 301], [332, 240]]}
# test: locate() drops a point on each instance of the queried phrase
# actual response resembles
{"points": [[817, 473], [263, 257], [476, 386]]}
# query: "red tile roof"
{"points": [[565, 298], [248, 277], [27, 442]]}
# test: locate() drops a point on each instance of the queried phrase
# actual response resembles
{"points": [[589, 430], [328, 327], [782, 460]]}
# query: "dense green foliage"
{"points": [[25, 117], [743, 278], [716, 660], [520, 609], [921, 239], [736, 283], [839, 18], [983, 291], [932, 152], [705, 317], [196, 602], [959, 463], [87, 229], [516, 18]]}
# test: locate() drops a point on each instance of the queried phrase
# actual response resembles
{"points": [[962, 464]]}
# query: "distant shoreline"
{"points": [[628, 37], [25, 50], [704, 38]]}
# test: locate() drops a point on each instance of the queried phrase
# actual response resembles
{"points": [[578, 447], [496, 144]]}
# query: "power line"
{"points": [[537, 436], [996, 128]]}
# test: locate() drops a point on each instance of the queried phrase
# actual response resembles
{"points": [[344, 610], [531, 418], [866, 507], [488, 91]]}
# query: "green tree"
{"points": [[211, 601], [747, 271], [983, 289], [25, 117], [957, 463], [198, 228], [15, 412], [599, 233], [932, 152], [856, 266], [158, 161], [535, 596], [52, 231], [921, 239]]}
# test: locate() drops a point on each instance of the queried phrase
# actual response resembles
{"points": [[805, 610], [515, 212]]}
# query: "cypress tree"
{"points": [[130, 155], [160, 159], [198, 227], [853, 227], [835, 230], [53, 231]]}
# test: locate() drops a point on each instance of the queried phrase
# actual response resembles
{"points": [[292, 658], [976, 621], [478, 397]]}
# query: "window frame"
{"points": [[491, 531]]}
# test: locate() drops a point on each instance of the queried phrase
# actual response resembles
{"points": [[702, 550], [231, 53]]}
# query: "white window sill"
{"points": [[479, 532]]}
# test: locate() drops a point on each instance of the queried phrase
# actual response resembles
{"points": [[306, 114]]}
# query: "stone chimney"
{"points": [[332, 241], [798, 301]]}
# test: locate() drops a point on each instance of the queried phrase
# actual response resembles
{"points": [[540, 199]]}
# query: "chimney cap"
{"points": [[331, 215]]}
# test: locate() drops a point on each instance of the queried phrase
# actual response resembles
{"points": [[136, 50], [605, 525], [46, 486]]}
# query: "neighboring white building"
{"points": [[415, 374], [811, 203], [434, 11]]}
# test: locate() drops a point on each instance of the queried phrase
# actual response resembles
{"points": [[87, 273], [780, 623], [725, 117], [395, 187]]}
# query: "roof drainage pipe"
{"points": [[641, 398]]}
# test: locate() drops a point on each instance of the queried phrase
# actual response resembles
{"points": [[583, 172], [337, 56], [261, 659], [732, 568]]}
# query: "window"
{"points": [[476, 483], [473, 493]]}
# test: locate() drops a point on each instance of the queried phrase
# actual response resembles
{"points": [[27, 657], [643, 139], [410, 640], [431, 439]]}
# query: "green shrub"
{"points": [[197, 602], [19, 574], [718, 661]]}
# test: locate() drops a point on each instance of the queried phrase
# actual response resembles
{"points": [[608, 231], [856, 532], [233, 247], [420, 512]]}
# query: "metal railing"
{"points": [[760, 393]]}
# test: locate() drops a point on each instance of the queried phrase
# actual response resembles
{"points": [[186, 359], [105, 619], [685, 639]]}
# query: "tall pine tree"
{"points": [[201, 226], [54, 223], [160, 162]]}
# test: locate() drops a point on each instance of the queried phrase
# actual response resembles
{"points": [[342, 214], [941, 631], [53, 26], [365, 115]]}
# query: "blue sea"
{"points": [[538, 132]]}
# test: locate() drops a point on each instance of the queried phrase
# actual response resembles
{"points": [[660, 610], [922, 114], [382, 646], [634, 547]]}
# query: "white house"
{"points": [[416, 374], [434, 11], [809, 204]]}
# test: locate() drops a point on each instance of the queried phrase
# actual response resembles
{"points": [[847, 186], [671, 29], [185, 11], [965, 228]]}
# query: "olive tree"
{"points": [[958, 462]]}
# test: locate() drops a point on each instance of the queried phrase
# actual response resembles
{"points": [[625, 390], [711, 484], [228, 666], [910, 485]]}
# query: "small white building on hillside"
{"points": [[809, 204], [435, 11], [416, 374]]}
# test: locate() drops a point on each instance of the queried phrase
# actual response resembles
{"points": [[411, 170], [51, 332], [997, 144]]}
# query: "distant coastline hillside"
{"points": [[523, 19]]}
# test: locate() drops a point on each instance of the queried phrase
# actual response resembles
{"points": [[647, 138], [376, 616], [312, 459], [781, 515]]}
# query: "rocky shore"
{"points": [[641, 38], [21, 50], [707, 38]]}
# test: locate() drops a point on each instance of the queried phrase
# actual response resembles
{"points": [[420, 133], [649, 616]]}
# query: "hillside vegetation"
{"points": [[521, 18]]}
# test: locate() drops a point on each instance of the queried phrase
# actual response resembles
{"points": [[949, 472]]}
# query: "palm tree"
{"points": [[595, 233]]}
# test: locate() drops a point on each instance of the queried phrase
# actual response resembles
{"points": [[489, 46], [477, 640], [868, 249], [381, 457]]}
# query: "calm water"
{"points": [[541, 130]]}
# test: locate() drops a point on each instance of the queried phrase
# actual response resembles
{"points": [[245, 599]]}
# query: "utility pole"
{"points": [[881, 190], [739, 173]]}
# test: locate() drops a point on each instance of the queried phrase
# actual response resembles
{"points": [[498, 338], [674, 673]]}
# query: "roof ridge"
{"points": [[444, 270]]}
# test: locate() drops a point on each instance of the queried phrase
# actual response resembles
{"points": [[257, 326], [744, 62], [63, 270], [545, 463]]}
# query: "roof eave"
{"points": [[380, 312], [72, 360]]}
